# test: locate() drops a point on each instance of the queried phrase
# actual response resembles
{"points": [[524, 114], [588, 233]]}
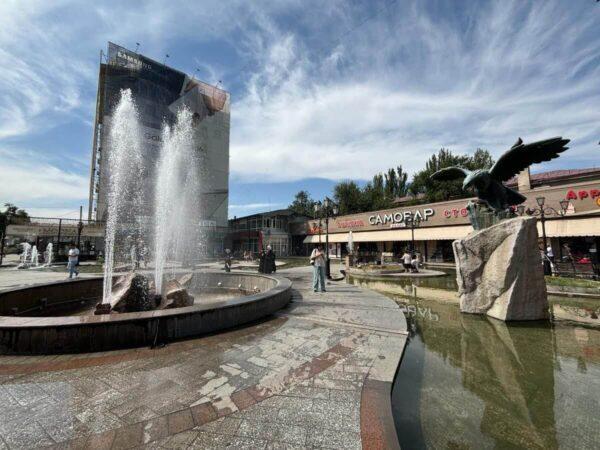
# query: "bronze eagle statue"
{"points": [[488, 183]]}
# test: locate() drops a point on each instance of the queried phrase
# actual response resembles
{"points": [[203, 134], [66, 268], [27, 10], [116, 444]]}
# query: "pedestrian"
{"points": [[227, 260], [594, 260], [407, 261], [270, 261], [261, 261], [73, 260], [550, 253], [415, 264], [317, 260]]}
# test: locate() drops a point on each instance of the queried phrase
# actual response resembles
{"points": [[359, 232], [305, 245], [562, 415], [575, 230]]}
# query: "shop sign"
{"points": [[592, 193], [456, 212], [400, 216], [313, 228], [352, 223], [207, 224]]}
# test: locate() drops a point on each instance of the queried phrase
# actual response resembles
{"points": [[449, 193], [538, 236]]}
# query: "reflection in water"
{"points": [[470, 382]]}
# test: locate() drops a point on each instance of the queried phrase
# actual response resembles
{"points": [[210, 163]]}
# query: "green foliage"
{"points": [[303, 204], [348, 197], [13, 213], [572, 282], [437, 191], [379, 193], [396, 183]]}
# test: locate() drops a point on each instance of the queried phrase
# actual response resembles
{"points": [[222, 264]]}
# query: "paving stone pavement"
{"points": [[307, 378]]}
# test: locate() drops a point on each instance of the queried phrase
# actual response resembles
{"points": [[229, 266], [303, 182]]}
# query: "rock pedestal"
{"points": [[499, 272], [132, 293], [176, 296]]}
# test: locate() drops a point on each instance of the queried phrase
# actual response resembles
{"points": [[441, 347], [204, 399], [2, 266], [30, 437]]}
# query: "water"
{"points": [[25, 255], [176, 195], [124, 203], [48, 254], [34, 260], [467, 381], [175, 209]]}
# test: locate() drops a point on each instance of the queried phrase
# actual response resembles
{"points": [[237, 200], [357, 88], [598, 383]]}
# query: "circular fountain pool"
{"points": [[57, 317]]}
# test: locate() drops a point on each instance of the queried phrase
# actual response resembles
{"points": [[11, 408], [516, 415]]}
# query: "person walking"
{"points": [[73, 260], [317, 260]]}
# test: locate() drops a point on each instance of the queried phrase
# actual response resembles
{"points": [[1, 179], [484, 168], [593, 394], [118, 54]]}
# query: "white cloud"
{"points": [[412, 82], [330, 89], [30, 181]]}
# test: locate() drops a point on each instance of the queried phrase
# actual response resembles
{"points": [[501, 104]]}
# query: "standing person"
{"points": [[317, 259], [415, 264], [550, 253], [406, 261], [270, 261], [261, 261], [594, 260], [227, 260], [73, 260]]}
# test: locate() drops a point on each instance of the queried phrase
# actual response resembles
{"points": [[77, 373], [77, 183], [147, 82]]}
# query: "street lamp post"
{"points": [[79, 228], [541, 211], [3, 226], [326, 209], [413, 223]]}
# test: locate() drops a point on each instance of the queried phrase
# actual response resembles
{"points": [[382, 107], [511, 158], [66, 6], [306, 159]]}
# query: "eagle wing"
{"points": [[521, 156], [449, 173]]}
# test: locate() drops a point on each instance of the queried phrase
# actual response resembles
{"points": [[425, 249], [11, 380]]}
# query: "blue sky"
{"points": [[321, 91]]}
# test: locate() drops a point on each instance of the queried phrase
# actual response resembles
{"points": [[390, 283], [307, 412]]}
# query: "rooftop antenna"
{"points": [[218, 83], [165, 61], [137, 46]]}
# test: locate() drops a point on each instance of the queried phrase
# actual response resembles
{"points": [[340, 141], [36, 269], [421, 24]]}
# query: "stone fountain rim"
{"points": [[15, 322]]}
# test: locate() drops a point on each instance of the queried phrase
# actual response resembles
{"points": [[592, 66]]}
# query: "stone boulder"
{"points": [[186, 279], [176, 296], [132, 293], [499, 272]]}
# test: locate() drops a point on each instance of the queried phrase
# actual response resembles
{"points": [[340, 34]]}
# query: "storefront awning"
{"points": [[569, 227], [421, 234], [590, 226]]}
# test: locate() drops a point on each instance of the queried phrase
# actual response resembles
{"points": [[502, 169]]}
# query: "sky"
{"points": [[320, 91]]}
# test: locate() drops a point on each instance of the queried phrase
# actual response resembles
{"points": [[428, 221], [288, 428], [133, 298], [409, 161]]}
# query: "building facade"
{"points": [[158, 92], [386, 232], [283, 230]]}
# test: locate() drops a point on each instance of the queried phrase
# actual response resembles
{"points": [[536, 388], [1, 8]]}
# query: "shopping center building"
{"points": [[386, 233], [282, 229]]}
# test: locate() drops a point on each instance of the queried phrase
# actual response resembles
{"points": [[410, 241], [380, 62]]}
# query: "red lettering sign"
{"points": [[350, 223], [592, 193]]}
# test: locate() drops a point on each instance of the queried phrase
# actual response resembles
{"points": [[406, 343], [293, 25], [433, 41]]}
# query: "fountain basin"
{"points": [[88, 333]]}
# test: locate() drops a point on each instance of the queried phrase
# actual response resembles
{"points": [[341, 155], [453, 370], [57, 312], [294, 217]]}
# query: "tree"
{"points": [[374, 194], [348, 197], [481, 159], [395, 184], [436, 191], [14, 212], [303, 204]]}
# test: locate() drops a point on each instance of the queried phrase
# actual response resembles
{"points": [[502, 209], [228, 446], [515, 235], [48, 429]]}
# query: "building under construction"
{"points": [[159, 91]]}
